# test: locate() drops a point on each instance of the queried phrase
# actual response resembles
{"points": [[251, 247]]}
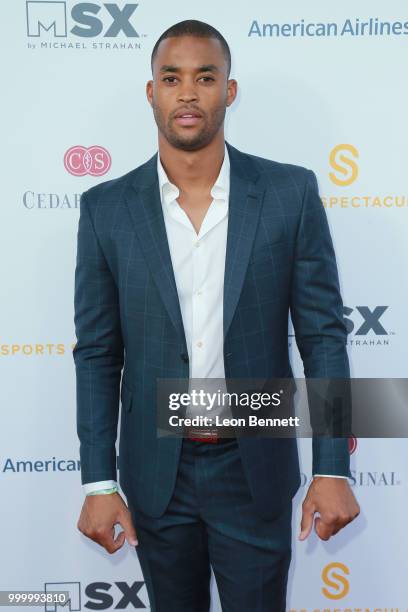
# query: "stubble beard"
{"points": [[194, 140]]}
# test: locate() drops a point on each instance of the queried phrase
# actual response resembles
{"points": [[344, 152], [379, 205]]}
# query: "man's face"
{"points": [[190, 90]]}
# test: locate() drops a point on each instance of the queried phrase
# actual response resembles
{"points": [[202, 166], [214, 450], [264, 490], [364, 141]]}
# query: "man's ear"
{"points": [[149, 91], [232, 87]]}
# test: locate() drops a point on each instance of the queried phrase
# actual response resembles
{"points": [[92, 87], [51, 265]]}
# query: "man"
{"points": [[188, 266]]}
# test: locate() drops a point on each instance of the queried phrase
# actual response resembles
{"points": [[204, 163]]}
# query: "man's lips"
{"points": [[187, 118]]}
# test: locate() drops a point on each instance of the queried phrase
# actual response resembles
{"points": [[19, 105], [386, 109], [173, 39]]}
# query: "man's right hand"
{"points": [[100, 514]]}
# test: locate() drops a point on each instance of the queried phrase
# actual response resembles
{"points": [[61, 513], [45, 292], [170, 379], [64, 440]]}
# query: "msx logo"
{"points": [[98, 596], [51, 17]]}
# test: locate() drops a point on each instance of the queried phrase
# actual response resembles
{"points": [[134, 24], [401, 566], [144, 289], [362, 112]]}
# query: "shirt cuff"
{"points": [[91, 487], [330, 475]]}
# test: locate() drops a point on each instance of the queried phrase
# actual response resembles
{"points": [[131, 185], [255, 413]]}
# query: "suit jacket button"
{"points": [[184, 357]]}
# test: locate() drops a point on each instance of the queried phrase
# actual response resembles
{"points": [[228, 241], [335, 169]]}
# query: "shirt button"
{"points": [[199, 344], [197, 244], [199, 292]]}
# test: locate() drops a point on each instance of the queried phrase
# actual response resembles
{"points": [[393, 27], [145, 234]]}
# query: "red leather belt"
{"points": [[200, 436]]}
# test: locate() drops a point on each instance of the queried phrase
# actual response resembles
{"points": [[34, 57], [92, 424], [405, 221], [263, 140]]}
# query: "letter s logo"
{"points": [[343, 164], [340, 584]]}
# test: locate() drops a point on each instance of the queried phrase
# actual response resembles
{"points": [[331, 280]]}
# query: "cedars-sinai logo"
{"points": [[95, 160], [352, 444]]}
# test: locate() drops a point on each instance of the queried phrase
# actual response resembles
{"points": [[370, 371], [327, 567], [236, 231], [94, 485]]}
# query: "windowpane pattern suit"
{"points": [[279, 258]]}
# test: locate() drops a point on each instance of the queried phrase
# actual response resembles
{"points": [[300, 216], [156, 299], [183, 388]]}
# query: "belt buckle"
{"points": [[195, 436]]}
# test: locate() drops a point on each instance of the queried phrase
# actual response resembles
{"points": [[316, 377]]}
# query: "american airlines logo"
{"points": [[85, 20]]}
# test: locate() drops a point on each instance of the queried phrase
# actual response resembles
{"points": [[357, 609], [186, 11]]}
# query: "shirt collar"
{"points": [[169, 192]]}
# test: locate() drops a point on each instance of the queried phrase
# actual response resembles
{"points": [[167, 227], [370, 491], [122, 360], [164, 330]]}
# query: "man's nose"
{"points": [[188, 93]]}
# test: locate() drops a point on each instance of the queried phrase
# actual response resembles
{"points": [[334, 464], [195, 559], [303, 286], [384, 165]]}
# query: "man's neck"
{"points": [[192, 171]]}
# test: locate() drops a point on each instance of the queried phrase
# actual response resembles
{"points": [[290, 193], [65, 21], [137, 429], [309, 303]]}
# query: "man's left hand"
{"points": [[334, 500]]}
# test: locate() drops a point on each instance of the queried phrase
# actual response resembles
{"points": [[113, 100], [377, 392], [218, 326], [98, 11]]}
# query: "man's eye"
{"points": [[173, 78]]}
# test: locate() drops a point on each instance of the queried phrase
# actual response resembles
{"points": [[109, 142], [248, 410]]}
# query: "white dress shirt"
{"points": [[198, 262]]}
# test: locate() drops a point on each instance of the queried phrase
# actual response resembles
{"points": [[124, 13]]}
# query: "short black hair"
{"points": [[193, 27]]}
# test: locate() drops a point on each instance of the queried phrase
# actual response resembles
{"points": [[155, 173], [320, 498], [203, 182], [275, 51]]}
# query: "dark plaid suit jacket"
{"points": [[279, 258]]}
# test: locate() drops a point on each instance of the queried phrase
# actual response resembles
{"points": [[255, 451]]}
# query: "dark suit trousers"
{"points": [[210, 521]]}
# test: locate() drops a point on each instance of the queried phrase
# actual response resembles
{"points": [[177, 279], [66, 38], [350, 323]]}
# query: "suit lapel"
{"points": [[142, 196], [143, 200], [245, 202]]}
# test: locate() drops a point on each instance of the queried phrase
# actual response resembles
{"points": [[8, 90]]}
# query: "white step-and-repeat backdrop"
{"points": [[321, 84]]}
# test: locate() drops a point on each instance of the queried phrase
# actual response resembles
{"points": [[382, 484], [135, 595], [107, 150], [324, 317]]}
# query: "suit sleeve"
{"points": [[98, 353], [316, 309]]}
